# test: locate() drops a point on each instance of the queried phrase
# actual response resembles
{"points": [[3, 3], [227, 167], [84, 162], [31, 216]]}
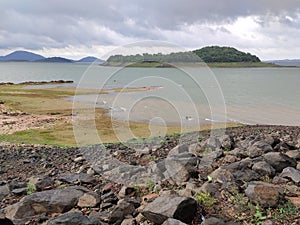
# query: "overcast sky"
{"points": [[71, 28]]}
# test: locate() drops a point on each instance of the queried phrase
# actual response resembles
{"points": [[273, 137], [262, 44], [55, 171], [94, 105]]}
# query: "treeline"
{"points": [[206, 54], [169, 58]]}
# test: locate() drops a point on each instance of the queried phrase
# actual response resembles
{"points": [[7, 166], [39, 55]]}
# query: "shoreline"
{"points": [[38, 82]]}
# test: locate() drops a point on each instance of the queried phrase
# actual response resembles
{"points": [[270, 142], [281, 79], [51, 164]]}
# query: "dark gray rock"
{"points": [[180, 167], [40, 183], [183, 148], [171, 206], [126, 173], [264, 194], [226, 142], [195, 149], [279, 161], [129, 221], [76, 178], [158, 170], [14, 185], [213, 221], [171, 221], [70, 218], [4, 191], [213, 155], [269, 139], [102, 216], [245, 175], [291, 173], [279, 180], [126, 191], [263, 169], [52, 201], [209, 187], [259, 148], [239, 152], [222, 176], [295, 154], [213, 142], [123, 209], [5, 221], [240, 165], [20, 191]]}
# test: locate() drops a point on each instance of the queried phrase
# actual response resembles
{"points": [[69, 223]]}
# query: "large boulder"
{"points": [[75, 178], [226, 142], [5, 221], [213, 221], [171, 221], [4, 191], [245, 175], [40, 183], [171, 206], [263, 169], [295, 154], [70, 218], [52, 201], [222, 175], [259, 148], [279, 161], [89, 199], [179, 149], [119, 212], [292, 173], [264, 194], [180, 167]]}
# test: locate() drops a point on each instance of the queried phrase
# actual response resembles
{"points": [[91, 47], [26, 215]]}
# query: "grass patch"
{"points": [[30, 188], [205, 199], [241, 64]]}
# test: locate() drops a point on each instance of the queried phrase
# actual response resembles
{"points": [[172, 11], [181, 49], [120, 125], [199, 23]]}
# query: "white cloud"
{"points": [[269, 28]]}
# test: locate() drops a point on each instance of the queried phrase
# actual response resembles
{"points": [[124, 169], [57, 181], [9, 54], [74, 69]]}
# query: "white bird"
{"points": [[123, 109]]}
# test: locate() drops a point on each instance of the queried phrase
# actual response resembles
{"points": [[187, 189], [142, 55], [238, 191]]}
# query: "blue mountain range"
{"points": [[25, 56]]}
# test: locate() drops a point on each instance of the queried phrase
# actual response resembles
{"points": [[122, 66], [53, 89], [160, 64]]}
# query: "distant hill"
{"points": [[89, 59], [56, 59], [286, 62], [32, 57], [22, 56], [216, 54]]}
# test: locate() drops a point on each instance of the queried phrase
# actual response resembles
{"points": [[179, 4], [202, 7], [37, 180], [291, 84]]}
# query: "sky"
{"points": [[74, 28]]}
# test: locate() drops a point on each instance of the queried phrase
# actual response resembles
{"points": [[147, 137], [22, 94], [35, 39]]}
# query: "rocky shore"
{"points": [[247, 175]]}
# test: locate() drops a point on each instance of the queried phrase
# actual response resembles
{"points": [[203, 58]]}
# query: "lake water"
{"points": [[179, 96]]}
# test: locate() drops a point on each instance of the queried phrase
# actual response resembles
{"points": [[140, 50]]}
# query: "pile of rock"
{"points": [[263, 168]]}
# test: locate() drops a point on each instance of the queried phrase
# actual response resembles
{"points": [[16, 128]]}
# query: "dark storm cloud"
{"points": [[35, 24]]}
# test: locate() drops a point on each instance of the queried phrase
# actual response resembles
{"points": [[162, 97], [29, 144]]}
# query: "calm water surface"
{"points": [[248, 95]]}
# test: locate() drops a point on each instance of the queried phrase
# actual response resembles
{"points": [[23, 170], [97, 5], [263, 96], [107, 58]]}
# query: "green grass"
{"points": [[241, 64], [31, 188], [205, 199], [37, 136]]}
